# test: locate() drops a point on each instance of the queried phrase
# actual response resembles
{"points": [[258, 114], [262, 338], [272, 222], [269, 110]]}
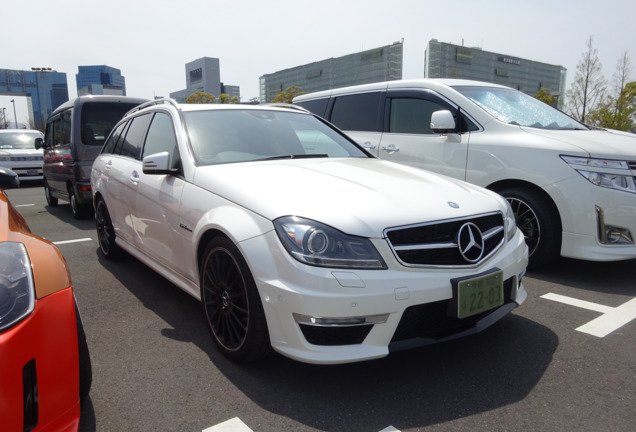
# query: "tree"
{"points": [[588, 88], [200, 98], [225, 98], [544, 96], [288, 95], [616, 111]]}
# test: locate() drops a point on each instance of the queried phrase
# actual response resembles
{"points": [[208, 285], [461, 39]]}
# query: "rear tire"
{"points": [[85, 365], [540, 223], [231, 303], [79, 210], [105, 232]]}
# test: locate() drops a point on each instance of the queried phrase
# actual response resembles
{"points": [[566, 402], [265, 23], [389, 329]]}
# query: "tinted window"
{"points": [[113, 139], [99, 118], [357, 112], [58, 130], [316, 106], [412, 116], [131, 146]]}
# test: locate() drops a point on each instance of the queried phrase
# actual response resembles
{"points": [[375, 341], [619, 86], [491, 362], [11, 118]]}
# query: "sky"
{"points": [[150, 42]]}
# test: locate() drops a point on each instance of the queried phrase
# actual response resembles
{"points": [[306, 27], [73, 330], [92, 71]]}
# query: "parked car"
{"points": [[294, 237], [75, 133], [18, 153], [572, 187], [8, 178], [45, 366]]}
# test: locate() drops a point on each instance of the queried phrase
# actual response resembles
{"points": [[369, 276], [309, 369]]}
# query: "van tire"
{"points": [[79, 211], [539, 220], [51, 201]]}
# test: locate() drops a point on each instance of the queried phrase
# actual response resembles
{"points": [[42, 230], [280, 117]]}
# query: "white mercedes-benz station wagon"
{"points": [[295, 238]]}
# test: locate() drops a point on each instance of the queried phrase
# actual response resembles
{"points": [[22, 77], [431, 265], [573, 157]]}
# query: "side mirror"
{"points": [[158, 163], [442, 122], [39, 143]]}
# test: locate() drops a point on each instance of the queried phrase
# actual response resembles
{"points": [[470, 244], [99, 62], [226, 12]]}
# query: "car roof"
{"points": [[19, 130]]}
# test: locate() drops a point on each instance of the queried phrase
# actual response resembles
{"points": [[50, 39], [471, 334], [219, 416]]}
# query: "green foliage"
{"points": [[288, 95], [225, 98], [545, 97], [200, 98], [616, 112]]}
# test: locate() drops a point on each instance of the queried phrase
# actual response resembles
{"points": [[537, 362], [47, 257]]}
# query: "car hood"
{"points": [[359, 196], [605, 144]]}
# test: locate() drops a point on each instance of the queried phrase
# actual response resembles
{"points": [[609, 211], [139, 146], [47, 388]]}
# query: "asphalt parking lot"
{"points": [[565, 360]]}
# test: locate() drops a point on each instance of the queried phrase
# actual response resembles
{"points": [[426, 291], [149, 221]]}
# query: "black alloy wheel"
{"points": [[105, 231], [232, 304]]}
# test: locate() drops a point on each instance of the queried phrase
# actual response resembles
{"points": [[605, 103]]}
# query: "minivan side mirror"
{"points": [[442, 122], [158, 163], [39, 143]]}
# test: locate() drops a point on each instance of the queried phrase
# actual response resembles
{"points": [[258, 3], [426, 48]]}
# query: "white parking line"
{"points": [[72, 241], [236, 425], [24, 205], [611, 320]]}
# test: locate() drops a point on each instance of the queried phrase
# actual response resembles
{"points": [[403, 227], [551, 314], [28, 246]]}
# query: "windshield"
{"points": [[517, 108], [235, 135], [19, 140]]}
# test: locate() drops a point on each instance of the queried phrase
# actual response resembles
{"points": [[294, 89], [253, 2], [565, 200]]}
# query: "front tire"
{"points": [[539, 221], [231, 303], [105, 231]]}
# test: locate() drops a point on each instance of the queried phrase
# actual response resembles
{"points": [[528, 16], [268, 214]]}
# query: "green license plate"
{"points": [[479, 294]]}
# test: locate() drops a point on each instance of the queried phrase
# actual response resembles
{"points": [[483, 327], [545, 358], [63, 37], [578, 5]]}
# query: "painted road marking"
{"points": [[611, 319], [72, 241], [236, 425], [24, 205]]}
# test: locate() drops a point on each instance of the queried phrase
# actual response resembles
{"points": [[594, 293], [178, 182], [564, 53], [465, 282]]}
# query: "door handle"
{"points": [[134, 177], [367, 145], [391, 148]]}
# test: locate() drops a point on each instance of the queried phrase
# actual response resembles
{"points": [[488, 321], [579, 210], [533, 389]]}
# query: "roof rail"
{"points": [[286, 105], [169, 101]]}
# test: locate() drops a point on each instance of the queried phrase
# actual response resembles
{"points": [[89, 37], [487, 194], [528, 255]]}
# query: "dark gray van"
{"points": [[75, 133]]}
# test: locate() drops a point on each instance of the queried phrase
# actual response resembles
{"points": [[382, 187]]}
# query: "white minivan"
{"points": [[572, 187]]}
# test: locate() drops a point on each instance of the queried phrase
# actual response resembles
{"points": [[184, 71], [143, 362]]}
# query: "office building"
{"points": [[44, 88], [204, 75], [374, 65], [100, 80], [445, 60]]}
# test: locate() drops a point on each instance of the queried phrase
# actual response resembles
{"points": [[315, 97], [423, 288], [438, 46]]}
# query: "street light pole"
{"points": [[15, 116]]}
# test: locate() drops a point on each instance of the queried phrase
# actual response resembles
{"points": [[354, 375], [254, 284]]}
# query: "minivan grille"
{"points": [[453, 242]]}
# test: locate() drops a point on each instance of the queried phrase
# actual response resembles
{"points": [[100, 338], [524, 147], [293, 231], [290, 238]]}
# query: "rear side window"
{"points": [[99, 118], [58, 130], [131, 145], [316, 106], [358, 112], [114, 138]]}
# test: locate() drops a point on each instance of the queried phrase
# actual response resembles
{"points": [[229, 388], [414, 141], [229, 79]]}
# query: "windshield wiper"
{"points": [[294, 156]]}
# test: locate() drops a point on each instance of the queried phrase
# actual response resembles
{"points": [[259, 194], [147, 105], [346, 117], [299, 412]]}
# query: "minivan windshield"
{"points": [[239, 135], [517, 108]]}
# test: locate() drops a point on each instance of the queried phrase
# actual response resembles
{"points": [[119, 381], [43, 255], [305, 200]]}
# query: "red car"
{"points": [[45, 366]]}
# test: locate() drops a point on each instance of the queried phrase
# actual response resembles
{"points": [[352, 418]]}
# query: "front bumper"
{"points": [[319, 315]]}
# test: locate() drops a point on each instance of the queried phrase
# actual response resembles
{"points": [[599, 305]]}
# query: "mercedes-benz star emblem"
{"points": [[470, 242]]}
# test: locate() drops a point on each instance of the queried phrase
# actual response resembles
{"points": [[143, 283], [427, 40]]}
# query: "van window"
{"points": [[358, 112], [58, 130], [131, 146], [316, 106], [99, 118], [412, 116]]}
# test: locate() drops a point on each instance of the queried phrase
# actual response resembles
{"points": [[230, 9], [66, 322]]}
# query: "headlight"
{"points": [[5, 157], [510, 223], [609, 180], [17, 293], [317, 244]]}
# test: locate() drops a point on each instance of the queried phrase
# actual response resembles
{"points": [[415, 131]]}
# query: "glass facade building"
{"points": [[445, 60], [45, 88], [378, 64], [100, 80]]}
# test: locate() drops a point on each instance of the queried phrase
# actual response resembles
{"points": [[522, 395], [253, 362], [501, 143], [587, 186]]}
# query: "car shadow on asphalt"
{"points": [[613, 277], [409, 389]]}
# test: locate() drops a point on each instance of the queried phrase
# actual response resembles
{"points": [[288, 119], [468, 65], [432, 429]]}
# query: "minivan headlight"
{"points": [[317, 244], [17, 291], [585, 167]]}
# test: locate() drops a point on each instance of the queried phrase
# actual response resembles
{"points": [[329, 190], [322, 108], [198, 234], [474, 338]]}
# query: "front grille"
{"points": [[434, 321], [437, 243], [26, 158], [336, 335]]}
